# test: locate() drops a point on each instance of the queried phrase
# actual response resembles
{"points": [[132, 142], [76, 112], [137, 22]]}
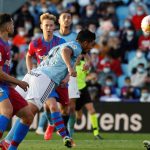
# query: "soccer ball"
{"points": [[145, 24]]}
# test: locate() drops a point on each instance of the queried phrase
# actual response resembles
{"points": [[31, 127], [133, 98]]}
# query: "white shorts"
{"points": [[73, 90], [40, 86]]}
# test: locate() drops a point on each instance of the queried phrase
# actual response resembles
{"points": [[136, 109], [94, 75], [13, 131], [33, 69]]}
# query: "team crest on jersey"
{"points": [[73, 46]]}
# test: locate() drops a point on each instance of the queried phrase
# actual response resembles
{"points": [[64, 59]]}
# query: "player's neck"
{"points": [[4, 36], [48, 38], [64, 30]]}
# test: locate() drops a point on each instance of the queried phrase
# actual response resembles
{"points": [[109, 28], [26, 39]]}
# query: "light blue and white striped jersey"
{"points": [[68, 38], [54, 66]]}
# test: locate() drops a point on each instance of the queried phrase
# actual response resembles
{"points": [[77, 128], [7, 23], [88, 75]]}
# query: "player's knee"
{"points": [[7, 112], [72, 109], [91, 111], [28, 118], [90, 108]]}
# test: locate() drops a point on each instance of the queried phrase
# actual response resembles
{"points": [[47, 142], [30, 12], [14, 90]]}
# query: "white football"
{"points": [[145, 24]]}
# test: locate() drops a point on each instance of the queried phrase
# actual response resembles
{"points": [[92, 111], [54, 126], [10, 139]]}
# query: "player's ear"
{"points": [[85, 43], [41, 26], [7, 27]]}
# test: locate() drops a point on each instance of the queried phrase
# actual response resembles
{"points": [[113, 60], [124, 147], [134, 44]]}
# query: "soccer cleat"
{"points": [[67, 141], [4, 145], [49, 132], [147, 144], [39, 131], [73, 144], [98, 137]]}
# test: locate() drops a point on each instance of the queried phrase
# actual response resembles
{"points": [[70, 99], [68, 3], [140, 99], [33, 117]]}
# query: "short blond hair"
{"points": [[47, 16]]}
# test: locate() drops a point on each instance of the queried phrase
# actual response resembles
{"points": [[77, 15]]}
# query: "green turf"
{"points": [[85, 141]]}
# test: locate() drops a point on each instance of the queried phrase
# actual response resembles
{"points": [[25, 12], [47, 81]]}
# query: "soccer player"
{"points": [[65, 32], [11, 102], [51, 71], [85, 99], [40, 47]]}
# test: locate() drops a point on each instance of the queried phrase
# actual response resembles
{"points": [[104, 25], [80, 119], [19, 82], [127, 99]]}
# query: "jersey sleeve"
{"points": [[76, 51], [31, 49], [1, 56]]}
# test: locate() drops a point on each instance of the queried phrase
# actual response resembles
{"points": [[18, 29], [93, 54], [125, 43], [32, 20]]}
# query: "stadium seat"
{"points": [[121, 80], [122, 13], [118, 92], [130, 55], [124, 68]]}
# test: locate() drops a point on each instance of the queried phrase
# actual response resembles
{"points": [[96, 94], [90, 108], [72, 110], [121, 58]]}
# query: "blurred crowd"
{"points": [[120, 66]]}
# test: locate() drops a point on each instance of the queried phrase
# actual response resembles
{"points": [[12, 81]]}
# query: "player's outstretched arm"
{"points": [[29, 62], [9, 79], [66, 56]]}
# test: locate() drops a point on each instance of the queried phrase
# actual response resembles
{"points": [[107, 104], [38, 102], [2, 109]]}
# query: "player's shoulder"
{"points": [[36, 42], [72, 44], [58, 39], [73, 33], [2, 45]]}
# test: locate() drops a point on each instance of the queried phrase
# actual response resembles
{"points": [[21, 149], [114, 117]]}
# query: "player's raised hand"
{"points": [[24, 85], [86, 67]]}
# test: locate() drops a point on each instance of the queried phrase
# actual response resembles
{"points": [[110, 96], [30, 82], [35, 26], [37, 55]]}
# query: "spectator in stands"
{"points": [[128, 92], [14, 58], [89, 14], [33, 11], [104, 74], [105, 25], [134, 5], [94, 55], [139, 58], [115, 45], [145, 96], [78, 27], [126, 25], [20, 38], [75, 20], [112, 15], [139, 78], [108, 96], [36, 33], [137, 18], [92, 27], [128, 42], [115, 64], [25, 19], [46, 6], [144, 42]]}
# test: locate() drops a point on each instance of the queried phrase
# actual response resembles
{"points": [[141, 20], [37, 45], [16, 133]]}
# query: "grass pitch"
{"points": [[85, 141]]}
